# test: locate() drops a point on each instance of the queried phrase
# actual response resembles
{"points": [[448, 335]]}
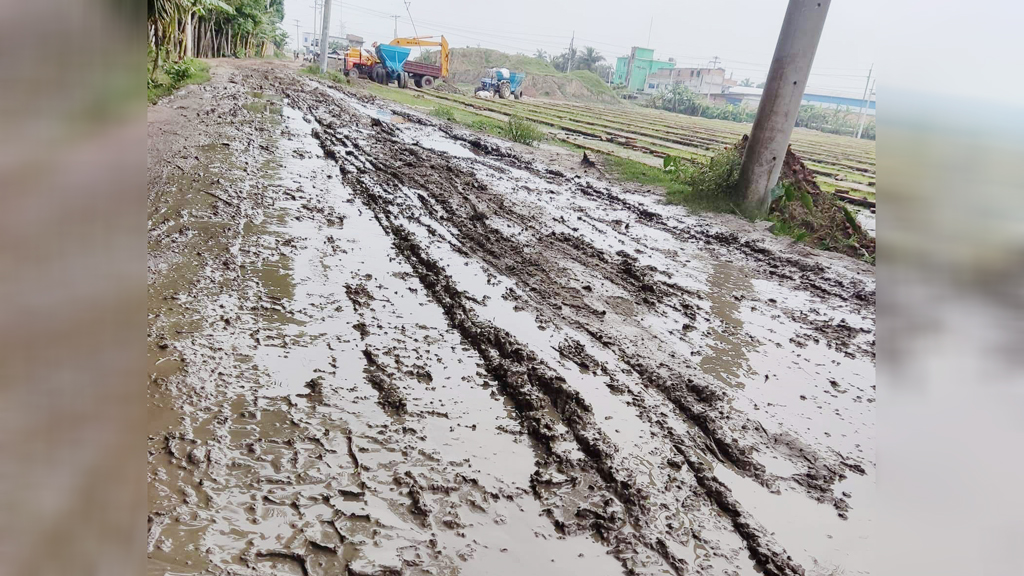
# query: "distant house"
{"points": [[354, 41], [632, 71], [706, 81], [311, 41]]}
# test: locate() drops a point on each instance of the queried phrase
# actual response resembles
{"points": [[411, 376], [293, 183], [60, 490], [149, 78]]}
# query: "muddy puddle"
{"points": [[381, 346]]}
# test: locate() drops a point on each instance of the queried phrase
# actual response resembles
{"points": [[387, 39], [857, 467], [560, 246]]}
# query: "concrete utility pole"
{"points": [[317, 5], [298, 40], [325, 36], [396, 17], [568, 65], [864, 107], [714, 66], [780, 102]]}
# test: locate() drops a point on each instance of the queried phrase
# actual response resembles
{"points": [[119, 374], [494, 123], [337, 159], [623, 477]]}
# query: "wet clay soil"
{"points": [[380, 344]]}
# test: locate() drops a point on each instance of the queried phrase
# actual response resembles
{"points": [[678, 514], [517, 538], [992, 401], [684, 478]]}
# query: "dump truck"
{"points": [[388, 68], [422, 74], [503, 83]]}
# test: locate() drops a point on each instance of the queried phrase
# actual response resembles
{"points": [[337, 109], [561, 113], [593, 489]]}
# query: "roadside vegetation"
{"points": [[174, 75], [799, 208], [179, 30]]}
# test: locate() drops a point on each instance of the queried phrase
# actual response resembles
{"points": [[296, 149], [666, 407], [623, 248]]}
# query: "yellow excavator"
{"points": [[423, 75]]}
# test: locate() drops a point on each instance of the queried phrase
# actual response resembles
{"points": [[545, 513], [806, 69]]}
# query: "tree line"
{"points": [[180, 29], [683, 100], [575, 59]]}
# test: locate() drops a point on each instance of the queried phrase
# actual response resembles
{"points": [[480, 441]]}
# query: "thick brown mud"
{"points": [[383, 345]]}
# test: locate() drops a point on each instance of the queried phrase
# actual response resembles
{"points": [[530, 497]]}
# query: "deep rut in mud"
{"points": [[412, 349]]}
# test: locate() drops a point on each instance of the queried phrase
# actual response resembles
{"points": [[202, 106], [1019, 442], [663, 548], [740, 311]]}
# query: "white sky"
{"points": [[742, 33]]}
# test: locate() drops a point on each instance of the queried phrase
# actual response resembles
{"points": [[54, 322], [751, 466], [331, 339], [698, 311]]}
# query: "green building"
{"points": [[632, 70]]}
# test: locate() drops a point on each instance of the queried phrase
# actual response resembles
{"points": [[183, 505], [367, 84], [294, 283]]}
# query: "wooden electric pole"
{"points": [[780, 102], [325, 36]]}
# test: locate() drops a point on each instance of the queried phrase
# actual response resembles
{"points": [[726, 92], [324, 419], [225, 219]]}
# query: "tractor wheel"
{"points": [[504, 91], [403, 80], [378, 74], [428, 81], [519, 94], [418, 81], [352, 74]]}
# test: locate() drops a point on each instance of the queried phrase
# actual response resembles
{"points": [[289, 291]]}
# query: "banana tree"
{"points": [[195, 9]]}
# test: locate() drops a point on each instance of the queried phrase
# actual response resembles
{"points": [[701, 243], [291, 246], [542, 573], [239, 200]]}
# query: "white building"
{"points": [[311, 41], [700, 80]]}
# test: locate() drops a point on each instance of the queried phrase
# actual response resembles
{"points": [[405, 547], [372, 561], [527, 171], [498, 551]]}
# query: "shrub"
{"points": [[179, 72], [444, 113], [716, 179], [523, 131]]}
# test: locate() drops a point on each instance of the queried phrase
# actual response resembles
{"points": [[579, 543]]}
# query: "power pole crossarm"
{"points": [[780, 102]]}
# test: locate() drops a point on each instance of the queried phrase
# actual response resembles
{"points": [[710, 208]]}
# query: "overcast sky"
{"points": [[742, 33]]}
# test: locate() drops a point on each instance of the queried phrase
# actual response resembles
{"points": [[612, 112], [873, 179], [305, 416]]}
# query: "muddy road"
{"points": [[382, 344]]}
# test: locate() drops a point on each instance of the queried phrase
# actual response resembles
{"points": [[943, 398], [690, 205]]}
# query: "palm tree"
{"points": [[541, 54], [588, 58], [747, 82], [563, 61]]}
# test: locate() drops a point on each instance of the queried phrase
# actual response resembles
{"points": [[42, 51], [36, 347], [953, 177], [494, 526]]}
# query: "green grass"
{"points": [[592, 81], [444, 113], [172, 76], [633, 171], [699, 187]]}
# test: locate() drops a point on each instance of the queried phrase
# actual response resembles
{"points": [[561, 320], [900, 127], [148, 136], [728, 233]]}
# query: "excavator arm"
{"points": [[425, 41]]}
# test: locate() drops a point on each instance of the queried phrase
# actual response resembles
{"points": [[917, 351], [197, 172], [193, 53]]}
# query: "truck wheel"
{"points": [[504, 91], [378, 75], [403, 80], [352, 74], [519, 94], [428, 82], [418, 81]]}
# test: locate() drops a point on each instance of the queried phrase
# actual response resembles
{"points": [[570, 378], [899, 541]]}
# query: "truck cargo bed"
{"points": [[422, 69]]}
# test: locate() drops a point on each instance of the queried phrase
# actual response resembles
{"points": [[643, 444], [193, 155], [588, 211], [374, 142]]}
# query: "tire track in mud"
{"points": [[528, 381], [467, 212]]}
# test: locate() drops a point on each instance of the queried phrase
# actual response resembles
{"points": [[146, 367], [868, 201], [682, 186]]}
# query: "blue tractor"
{"points": [[389, 68], [503, 83]]}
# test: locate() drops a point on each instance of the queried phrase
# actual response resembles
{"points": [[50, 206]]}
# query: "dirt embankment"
{"points": [[818, 217]]}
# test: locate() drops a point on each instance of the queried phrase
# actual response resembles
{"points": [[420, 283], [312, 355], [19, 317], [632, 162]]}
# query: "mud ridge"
{"points": [[530, 383]]}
